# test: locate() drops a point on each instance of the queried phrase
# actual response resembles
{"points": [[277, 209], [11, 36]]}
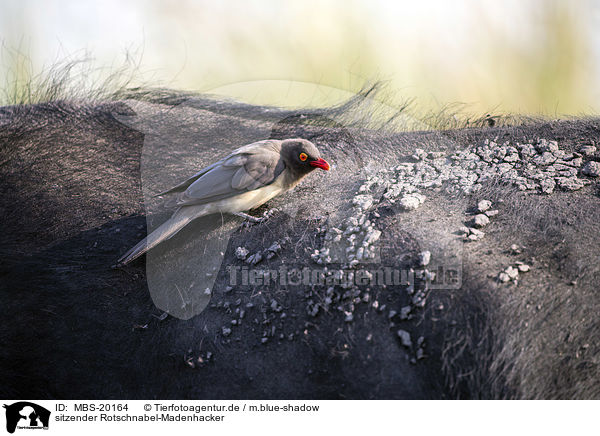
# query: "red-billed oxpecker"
{"points": [[244, 180]]}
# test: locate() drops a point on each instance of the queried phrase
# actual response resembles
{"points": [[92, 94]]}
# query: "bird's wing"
{"points": [[248, 168], [185, 184], [242, 150]]}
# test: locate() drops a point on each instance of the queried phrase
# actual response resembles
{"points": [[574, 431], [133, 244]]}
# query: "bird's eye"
{"points": [[303, 156]]}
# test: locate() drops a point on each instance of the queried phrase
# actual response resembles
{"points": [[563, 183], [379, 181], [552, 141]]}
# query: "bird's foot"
{"points": [[250, 220]]}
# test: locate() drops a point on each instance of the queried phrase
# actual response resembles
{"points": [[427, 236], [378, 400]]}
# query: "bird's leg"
{"points": [[255, 220], [249, 218]]}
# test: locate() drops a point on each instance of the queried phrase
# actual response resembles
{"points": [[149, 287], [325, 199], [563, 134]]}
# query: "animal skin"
{"points": [[73, 327]]}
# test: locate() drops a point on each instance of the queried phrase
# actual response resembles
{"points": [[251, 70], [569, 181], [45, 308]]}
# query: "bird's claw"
{"points": [[268, 214]]}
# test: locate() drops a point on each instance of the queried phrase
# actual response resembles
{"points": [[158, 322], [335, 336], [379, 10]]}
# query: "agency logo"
{"points": [[26, 415], [182, 271]]}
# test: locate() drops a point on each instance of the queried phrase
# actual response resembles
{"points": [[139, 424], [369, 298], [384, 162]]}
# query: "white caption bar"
{"points": [[156, 417]]}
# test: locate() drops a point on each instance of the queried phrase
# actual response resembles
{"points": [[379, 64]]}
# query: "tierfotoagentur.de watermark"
{"points": [[442, 277]]}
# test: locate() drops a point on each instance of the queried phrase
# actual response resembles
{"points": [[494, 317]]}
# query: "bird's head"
{"points": [[302, 156]]}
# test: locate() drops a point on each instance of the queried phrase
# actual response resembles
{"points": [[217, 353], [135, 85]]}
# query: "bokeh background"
{"points": [[510, 56]]}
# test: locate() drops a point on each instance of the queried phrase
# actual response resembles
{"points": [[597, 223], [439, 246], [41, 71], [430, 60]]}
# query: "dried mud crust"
{"points": [[503, 260]]}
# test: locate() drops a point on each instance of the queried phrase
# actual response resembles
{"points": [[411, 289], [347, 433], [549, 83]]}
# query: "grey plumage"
{"points": [[247, 168], [247, 178]]}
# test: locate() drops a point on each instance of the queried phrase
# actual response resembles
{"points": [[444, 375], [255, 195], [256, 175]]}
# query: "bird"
{"points": [[245, 179]]}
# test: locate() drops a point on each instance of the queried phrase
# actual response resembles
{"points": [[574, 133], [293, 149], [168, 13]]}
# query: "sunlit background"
{"points": [[527, 56]]}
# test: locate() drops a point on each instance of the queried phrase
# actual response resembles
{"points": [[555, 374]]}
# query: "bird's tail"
{"points": [[179, 220]]}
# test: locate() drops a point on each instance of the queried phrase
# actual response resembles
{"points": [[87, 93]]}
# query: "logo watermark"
{"points": [[25, 415], [182, 270]]}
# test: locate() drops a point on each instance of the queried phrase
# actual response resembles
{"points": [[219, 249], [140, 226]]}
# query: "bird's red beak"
{"points": [[320, 163]]}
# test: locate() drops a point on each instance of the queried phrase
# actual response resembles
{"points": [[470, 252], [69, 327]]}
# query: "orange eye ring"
{"points": [[303, 157]]}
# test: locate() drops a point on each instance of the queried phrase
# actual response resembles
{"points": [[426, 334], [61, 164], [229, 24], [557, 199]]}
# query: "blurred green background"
{"points": [[526, 57]]}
